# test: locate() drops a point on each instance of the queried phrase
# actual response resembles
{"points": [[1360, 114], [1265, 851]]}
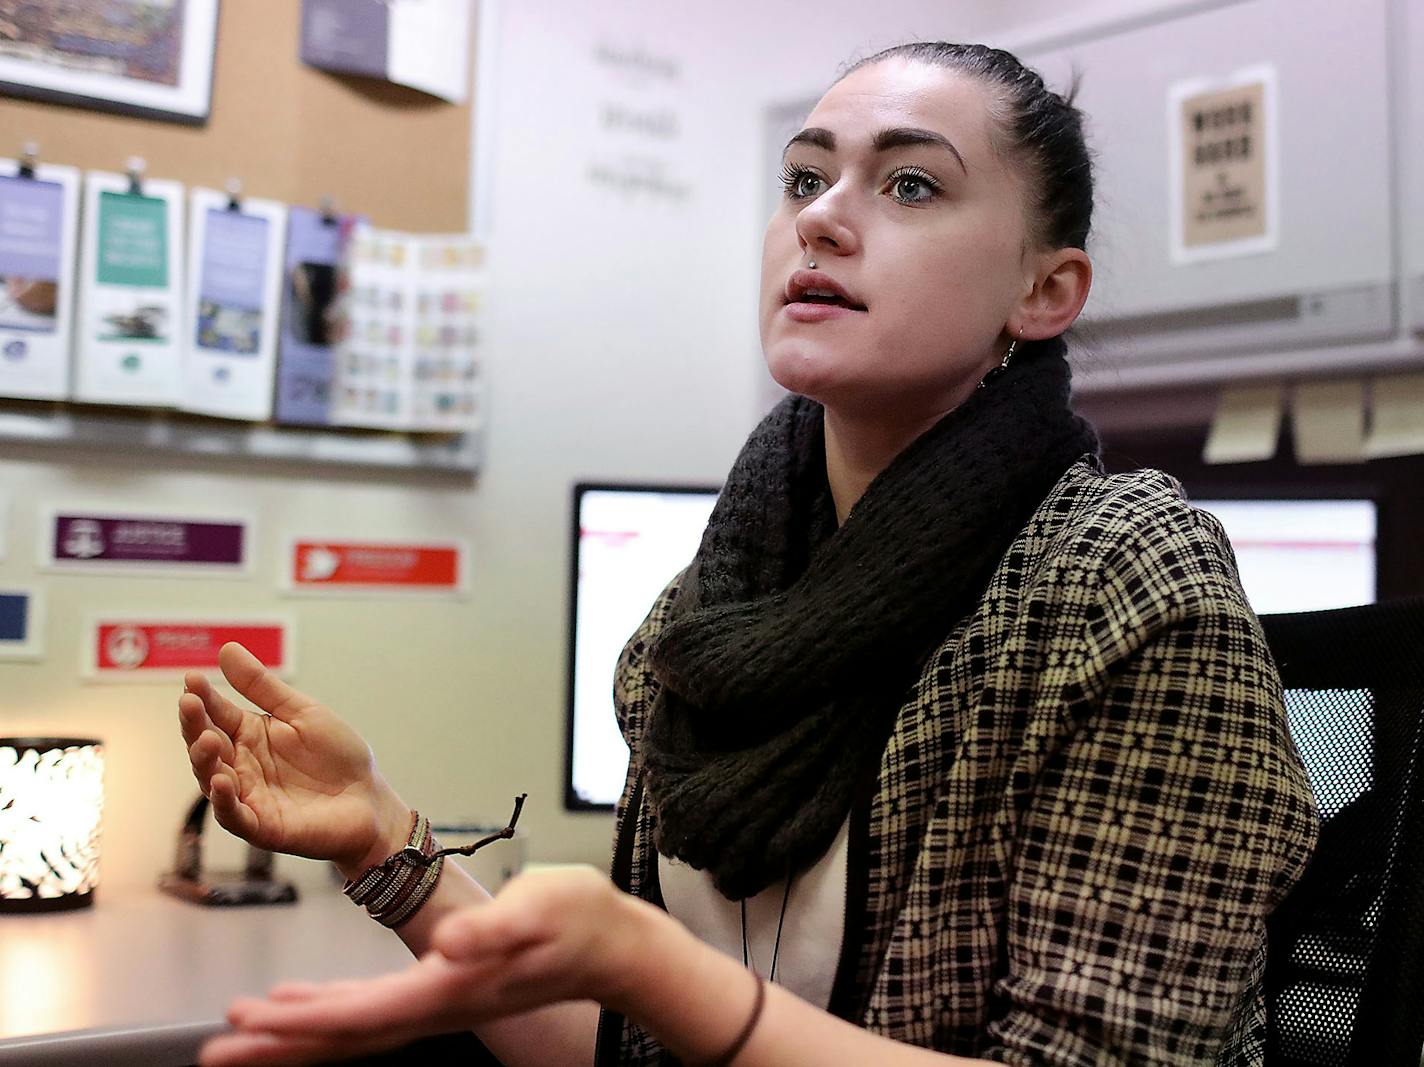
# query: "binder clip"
{"points": [[327, 206], [134, 169], [233, 188], [254, 884], [29, 159]]}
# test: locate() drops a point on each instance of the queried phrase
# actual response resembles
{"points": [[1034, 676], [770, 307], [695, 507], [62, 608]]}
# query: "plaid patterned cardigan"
{"points": [[1089, 804]]}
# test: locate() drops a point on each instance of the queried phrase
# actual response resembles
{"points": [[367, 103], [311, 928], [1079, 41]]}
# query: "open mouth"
{"points": [[825, 296], [815, 287]]}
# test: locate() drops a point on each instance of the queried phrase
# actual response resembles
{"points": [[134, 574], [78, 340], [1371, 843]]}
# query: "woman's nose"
{"points": [[827, 224]]}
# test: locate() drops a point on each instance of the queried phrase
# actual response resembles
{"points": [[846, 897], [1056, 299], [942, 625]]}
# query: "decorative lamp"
{"points": [[51, 800]]}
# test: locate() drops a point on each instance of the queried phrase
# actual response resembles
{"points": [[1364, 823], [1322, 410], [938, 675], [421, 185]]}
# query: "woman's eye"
{"points": [[808, 185], [912, 187], [801, 184]]}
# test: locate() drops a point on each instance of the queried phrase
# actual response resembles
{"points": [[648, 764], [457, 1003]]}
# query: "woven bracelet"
{"points": [[393, 890]]}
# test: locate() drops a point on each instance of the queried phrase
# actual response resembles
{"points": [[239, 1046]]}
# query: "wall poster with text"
{"points": [[39, 215]]}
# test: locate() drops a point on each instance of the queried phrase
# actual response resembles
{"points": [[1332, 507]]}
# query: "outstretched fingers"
{"points": [[216, 708], [230, 812], [250, 677], [294, 991], [422, 997], [211, 754]]}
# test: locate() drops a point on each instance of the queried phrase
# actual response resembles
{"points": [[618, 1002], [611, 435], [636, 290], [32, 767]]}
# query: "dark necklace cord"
{"points": [[776, 948]]}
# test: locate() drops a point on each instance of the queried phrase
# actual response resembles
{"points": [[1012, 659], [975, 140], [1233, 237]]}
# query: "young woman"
{"points": [[947, 747]]}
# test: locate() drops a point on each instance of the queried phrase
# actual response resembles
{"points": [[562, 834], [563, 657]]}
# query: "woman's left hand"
{"points": [[546, 938]]}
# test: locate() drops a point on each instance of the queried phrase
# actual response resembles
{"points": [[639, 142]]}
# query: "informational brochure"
{"points": [[39, 218], [130, 292], [409, 351], [309, 322], [373, 373], [449, 297], [231, 305], [424, 44]]}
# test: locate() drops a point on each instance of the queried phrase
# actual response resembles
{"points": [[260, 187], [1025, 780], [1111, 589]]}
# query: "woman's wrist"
{"points": [[640, 939], [391, 819], [691, 997]]}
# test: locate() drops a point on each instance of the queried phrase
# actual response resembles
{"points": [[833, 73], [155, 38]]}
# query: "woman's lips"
{"points": [[814, 296], [803, 311]]}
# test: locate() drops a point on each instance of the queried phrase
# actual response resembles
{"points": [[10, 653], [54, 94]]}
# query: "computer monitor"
{"points": [[629, 541], [1310, 555], [1301, 555]]}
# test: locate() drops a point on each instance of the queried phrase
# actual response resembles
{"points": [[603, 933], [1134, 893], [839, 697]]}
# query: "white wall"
{"points": [[623, 345]]}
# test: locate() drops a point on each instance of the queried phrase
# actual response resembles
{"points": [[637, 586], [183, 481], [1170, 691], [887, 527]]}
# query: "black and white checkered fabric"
{"points": [[1088, 807]]}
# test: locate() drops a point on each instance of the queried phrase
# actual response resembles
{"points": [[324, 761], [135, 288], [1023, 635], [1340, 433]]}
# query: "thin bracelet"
{"points": [[725, 1060]]}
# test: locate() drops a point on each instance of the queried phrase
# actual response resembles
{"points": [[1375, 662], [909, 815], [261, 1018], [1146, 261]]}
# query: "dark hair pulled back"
{"points": [[1035, 124]]}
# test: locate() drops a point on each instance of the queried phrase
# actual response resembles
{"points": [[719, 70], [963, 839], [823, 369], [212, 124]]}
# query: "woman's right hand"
{"points": [[297, 779]]}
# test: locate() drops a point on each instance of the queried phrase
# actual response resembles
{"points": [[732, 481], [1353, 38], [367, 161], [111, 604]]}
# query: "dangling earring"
{"points": [[999, 370]]}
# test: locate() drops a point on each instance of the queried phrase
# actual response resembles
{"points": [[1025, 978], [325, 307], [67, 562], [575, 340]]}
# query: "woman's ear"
{"points": [[1060, 289]]}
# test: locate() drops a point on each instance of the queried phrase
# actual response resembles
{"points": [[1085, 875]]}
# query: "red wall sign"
{"points": [[375, 565], [141, 646]]}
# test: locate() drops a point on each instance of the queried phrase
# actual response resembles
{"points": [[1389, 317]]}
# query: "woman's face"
{"points": [[917, 225]]}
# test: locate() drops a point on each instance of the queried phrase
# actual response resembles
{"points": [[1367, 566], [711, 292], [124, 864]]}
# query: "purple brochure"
{"points": [[308, 295], [351, 36], [31, 222]]}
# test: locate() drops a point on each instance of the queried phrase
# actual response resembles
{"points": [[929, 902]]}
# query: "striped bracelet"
{"points": [[393, 890]]}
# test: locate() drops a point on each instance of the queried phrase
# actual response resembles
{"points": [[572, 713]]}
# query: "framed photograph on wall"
{"points": [[144, 57]]}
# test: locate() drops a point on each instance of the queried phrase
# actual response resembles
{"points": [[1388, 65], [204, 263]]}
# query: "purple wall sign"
{"points": [[350, 36], [89, 538], [308, 291]]}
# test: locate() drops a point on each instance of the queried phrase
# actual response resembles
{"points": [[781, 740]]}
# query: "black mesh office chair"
{"points": [[1345, 981]]}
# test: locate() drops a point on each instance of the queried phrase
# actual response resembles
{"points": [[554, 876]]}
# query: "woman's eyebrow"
{"points": [[884, 141], [814, 136], [901, 136]]}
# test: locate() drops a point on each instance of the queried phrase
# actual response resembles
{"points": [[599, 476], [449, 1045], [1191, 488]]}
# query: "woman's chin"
{"points": [[805, 373]]}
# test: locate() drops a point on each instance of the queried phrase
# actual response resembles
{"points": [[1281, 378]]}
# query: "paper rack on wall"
{"points": [[163, 434]]}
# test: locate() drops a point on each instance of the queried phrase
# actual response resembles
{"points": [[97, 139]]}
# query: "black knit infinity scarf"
{"points": [[793, 643]]}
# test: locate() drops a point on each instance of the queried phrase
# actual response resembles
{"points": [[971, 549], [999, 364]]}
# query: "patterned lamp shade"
{"points": [[51, 799]]}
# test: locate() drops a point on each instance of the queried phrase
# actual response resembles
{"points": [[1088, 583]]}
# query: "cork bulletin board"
{"points": [[289, 132]]}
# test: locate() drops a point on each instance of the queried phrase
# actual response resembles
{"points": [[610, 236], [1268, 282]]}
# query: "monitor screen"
{"points": [[628, 543], [1310, 555], [1301, 555]]}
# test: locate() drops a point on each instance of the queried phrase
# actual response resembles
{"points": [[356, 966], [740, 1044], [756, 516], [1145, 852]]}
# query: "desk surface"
{"points": [[147, 968]]}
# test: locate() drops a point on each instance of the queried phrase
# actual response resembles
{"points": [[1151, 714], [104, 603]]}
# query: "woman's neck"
{"points": [[858, 449]]}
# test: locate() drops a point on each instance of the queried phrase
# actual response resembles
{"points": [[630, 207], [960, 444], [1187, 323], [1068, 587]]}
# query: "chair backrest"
{"points": [[1345, 978]]}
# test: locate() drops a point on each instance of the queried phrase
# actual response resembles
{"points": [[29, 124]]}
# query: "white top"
{"points": [[810, 937]]}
